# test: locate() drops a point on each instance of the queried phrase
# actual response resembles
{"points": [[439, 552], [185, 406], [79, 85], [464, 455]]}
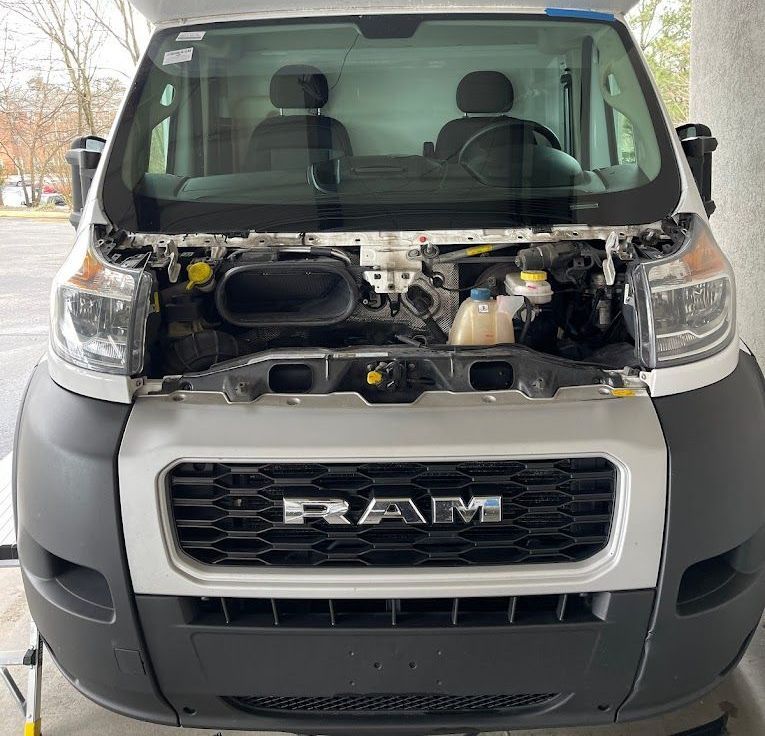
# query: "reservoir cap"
{"points": [[480, 295], [375, 378], [199, 273], [534, 276]]}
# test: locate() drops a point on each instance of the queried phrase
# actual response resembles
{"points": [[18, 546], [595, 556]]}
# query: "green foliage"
{"points": [[663, 30]]}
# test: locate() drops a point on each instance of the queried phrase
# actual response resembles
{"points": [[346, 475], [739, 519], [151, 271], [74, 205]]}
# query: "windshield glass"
{"points": [[390, 123]]}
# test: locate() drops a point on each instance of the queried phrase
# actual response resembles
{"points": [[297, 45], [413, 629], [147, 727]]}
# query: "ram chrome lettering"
{"points": [[334, 511]]}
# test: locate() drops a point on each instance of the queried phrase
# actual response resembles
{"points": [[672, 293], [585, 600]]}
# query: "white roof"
{"points": [[180, 11]]}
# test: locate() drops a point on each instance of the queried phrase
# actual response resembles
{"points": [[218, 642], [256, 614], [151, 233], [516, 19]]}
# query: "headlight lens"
{"points": [[99, 312], [685, 304]]}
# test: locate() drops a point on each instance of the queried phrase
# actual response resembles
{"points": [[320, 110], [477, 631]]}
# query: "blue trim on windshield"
{"points": [[586, 14]]}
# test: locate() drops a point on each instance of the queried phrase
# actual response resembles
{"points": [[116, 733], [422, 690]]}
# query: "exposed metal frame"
{"points": [[402, 238]]}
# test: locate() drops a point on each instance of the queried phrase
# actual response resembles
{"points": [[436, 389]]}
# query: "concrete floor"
{"points": [[32, 252]]}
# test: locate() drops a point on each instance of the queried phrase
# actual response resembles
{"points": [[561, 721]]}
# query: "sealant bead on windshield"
{"points": [[480, 295]]}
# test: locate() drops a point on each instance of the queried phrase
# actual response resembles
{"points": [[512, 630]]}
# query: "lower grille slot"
{"points": [[552, 511], [435, 703], [400, 613]]}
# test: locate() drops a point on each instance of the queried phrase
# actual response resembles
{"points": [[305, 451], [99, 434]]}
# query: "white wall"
{"points": [[728, 94]]}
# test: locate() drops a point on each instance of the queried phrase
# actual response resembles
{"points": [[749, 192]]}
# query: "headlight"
{"points": [[685, 304], [98, 312]]}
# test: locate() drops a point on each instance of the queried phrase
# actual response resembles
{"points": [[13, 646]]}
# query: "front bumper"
{"points": [[160, 657]]}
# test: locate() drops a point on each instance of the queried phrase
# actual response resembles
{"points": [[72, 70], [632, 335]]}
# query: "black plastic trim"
{"points": [[201, 662], [716, 507], [67, 501]]}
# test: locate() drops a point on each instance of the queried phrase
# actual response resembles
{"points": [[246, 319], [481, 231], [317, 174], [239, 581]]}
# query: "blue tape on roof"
{"points": [[588, 14]]}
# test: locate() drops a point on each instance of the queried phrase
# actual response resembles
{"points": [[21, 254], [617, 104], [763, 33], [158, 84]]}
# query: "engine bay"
{"points": [[400, 313]]}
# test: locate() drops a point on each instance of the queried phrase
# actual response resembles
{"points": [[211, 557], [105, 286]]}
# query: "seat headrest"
{"points": [[485, 92], [299, 87]]}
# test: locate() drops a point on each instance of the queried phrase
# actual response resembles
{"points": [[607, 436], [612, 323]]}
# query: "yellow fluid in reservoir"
{"points": [[481, 321]]}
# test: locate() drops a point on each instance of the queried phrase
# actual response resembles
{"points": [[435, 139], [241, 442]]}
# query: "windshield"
{"points": [[391, 123]]}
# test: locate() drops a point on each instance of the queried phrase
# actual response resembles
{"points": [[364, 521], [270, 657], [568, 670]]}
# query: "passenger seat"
{"points": [[293, 142]]}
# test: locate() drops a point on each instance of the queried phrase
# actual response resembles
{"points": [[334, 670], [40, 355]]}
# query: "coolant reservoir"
{"points": [[480, 321], [533, 285]]}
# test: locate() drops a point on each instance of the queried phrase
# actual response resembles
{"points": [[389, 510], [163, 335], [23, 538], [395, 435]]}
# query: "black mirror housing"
{"points": [[699, 145], [83, 156]]}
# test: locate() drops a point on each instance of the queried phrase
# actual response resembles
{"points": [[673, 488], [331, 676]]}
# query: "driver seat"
{"points": [[489, 95]]}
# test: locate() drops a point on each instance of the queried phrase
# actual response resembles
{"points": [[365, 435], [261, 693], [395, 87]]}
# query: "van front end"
{"points": [[394, 386], [650, 622]]}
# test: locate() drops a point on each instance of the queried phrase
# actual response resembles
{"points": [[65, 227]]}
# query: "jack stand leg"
{"points": [[32, 724], [14, 689]]}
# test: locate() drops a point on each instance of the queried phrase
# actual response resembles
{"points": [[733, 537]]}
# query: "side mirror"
{"points": [[83, 156], [699, 145]]}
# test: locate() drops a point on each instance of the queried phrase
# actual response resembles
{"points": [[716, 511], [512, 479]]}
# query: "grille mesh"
{"points": [[552, 511], [394, 703]]}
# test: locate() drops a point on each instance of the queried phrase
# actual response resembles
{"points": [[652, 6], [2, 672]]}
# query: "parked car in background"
{"points": [[14, 194], [51, 197]]}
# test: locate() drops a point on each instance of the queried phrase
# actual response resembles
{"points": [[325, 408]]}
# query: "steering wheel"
{"points": [[474, 158], [543, 130]]}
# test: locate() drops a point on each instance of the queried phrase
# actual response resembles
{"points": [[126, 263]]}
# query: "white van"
{"points": [[394, 382]]}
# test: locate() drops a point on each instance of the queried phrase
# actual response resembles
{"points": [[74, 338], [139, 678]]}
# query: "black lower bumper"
{"points": [[577, 671], [165, 659]]}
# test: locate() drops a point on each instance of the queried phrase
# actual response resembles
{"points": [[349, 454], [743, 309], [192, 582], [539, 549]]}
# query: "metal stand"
{"points": [[32, 658]]}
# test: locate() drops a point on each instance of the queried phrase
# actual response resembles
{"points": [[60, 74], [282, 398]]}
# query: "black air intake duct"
{"points": [[306, 293]]}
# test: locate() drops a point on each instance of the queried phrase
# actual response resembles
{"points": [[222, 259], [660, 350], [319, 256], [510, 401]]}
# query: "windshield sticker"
{"points": [[181, 56], [191, 36]]}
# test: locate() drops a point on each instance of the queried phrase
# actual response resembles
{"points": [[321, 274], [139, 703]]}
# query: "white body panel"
{"points": [[692, 376], [103, 386], [177, 11], [342, 428]]}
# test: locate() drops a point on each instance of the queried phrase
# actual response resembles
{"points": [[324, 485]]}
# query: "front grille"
{"points": [[552, 511], [393, 703]]}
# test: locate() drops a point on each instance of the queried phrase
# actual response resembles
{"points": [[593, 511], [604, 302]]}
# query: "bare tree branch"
{"points": [[76, 37], [125, 30], [40, 113]]}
